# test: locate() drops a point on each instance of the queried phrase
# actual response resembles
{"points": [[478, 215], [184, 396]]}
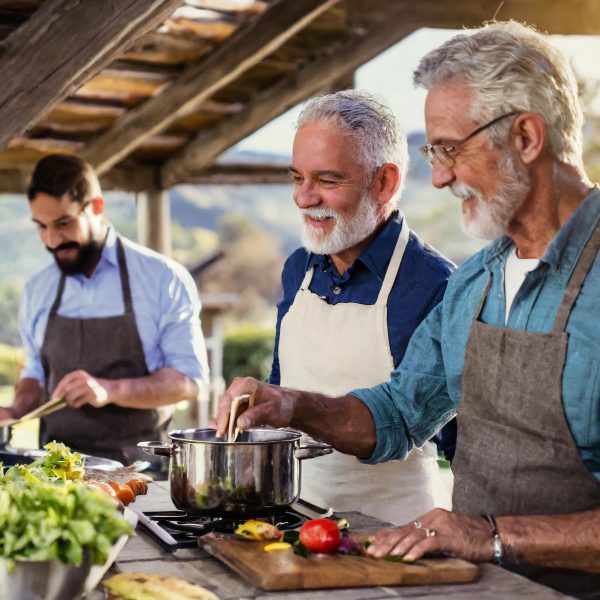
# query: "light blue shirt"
{"points": [[165, 303], [425, 389]]}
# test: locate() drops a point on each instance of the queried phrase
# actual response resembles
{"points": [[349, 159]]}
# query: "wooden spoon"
{"points": [[235, 412]]}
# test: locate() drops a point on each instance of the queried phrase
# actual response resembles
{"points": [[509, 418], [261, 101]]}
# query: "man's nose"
{"points": [[305, 195], [441, 175], [51, 238]]}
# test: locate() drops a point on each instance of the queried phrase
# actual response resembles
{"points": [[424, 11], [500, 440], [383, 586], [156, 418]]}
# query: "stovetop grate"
{"points": [[175, 529]]}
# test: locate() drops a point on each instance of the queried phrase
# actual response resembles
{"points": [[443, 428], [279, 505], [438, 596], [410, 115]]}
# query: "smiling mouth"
{"points": [[316, 221]]}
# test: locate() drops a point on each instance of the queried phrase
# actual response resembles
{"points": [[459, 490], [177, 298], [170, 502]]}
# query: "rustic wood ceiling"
{"points": [[151, 92]]}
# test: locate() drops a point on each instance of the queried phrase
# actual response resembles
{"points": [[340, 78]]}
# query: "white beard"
{"points": [[490, 217], [347, 232]]}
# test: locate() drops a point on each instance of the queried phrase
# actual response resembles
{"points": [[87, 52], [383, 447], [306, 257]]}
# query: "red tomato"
{"points": [[320, 535]]}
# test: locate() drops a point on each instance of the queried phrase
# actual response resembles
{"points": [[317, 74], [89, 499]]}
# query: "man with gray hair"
{"points": [[356, 291], [514, 344]]}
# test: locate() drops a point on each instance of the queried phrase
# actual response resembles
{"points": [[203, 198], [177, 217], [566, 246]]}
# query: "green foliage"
{"points": [[10, 294], [248, 350], [11, 360]]}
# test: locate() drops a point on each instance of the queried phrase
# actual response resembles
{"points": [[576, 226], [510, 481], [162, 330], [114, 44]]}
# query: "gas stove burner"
{"points": [[175, 529]]}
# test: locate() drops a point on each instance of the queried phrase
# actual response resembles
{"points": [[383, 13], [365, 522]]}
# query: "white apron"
{"points": [[333, 349]]}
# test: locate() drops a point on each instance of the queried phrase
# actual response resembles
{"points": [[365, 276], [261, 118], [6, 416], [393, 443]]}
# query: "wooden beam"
{"points": [[552, 16], [241, 174], [245, 48], [385, 28], [272, 102], [60, 47], [131, 177]]}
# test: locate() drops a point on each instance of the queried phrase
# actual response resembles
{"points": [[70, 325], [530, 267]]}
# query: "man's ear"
{"points": [[529, 136], [97, 205], [386, 182]]}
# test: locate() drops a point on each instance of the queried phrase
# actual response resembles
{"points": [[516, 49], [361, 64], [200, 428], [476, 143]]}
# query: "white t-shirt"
{"points": [[514, 275]]}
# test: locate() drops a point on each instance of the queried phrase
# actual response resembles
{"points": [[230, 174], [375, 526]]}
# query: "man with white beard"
{"points": [[354, 294], [514, 343]]}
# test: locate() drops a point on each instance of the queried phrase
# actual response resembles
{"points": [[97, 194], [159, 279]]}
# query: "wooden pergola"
{"points": [[152, 92]]}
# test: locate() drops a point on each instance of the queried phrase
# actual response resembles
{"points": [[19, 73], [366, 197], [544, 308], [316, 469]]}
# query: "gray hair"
{"points": [[368, 122], [512, 67]]}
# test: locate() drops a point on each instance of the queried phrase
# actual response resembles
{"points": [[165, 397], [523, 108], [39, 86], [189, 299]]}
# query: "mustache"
{"points": [[318, 212], [463, 192], [65, 246]]}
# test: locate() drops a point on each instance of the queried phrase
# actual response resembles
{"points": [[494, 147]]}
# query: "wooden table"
{"points": [[142, 554]]}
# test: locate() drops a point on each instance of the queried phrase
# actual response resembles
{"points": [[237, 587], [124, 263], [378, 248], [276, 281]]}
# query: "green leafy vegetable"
{"points": [[59, 463], [43, 520]]}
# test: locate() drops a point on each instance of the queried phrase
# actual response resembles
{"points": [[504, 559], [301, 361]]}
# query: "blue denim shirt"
{"points": [[425, 389]]}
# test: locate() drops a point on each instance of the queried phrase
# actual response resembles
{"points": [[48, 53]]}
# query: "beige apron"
{"points": [[333, 349]]}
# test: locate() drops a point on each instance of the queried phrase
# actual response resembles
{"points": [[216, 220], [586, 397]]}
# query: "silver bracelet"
{"points": [[498, 548]]}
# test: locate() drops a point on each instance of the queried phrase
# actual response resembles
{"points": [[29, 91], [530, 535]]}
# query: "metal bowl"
{"points": [[53, 580], [44, 580]]}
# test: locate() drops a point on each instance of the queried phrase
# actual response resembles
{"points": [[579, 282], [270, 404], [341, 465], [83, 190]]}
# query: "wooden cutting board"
{"points": [[284, 570]]}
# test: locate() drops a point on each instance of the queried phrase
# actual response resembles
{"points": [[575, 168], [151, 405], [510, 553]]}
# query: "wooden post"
{"points": [[154, 221]]}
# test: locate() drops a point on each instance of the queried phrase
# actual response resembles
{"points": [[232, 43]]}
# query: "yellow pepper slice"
{"points": [[276, 546]]}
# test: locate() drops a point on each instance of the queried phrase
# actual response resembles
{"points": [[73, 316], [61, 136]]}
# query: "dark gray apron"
{"points": [[516, 454], [108, 348]]}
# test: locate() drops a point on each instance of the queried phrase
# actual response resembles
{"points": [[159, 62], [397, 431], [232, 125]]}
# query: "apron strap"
{"points": [[582, 268], [483, 297], [307, 279], [124, 274], [59, 293], [394, 265]]}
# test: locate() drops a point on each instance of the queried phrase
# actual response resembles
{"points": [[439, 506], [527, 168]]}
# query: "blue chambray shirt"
{"points": [[165, 302], [425, 389]]}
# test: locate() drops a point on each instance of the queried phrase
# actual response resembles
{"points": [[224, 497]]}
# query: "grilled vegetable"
{"points": [[259, 530], [142, 586]]}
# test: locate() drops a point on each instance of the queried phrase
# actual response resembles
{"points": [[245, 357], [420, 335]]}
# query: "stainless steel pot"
{"points": [[256, 474]]}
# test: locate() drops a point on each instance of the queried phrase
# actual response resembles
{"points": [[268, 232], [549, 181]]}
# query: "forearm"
{"points": [[165, 386], [558, 541], [344, 422], [28, 395]]}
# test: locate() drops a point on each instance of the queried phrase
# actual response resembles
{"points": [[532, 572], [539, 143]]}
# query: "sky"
{"points": [[390, 75]]}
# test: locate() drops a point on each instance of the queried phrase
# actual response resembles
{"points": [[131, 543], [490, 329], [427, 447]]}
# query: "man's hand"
{"points": [[451, 533], [79, 388], [273, 405], [6, 415]]}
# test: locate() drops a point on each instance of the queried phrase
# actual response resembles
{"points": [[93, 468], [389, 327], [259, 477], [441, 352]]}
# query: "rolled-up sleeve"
{"points": [[181, 340], [414, 404]]}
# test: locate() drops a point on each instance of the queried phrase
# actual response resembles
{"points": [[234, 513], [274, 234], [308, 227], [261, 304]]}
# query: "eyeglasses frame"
{"points": [[428, 150]]}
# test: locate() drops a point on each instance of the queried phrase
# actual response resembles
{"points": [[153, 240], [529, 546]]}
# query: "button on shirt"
{"points": [[419, 286], [425, 389], [165, 302]]}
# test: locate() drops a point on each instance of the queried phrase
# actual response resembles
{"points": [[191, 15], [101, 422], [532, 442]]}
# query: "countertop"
{"points": [[142, 554]]}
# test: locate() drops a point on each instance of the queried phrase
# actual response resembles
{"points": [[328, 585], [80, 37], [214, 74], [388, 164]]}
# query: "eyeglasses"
{"points": [[445, 154]]}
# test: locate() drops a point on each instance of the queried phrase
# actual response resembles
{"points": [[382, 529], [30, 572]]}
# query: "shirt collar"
{"points": [[109, 251], [565, 247], [377, 255]]}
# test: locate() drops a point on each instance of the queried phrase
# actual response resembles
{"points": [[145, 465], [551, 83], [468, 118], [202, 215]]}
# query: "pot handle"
{"points": [[312, 450], [158, 448]]}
